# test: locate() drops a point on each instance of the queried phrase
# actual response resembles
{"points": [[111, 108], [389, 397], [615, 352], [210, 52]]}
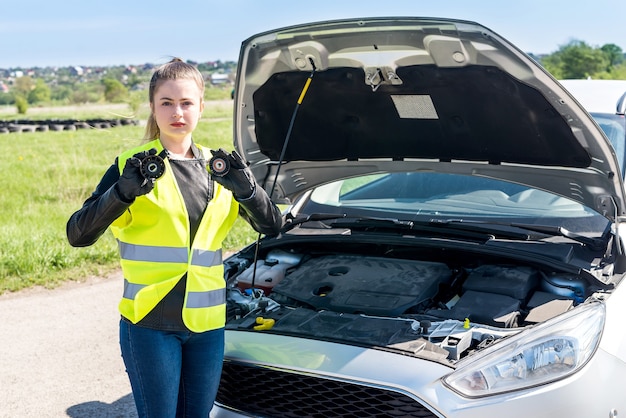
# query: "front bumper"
{"points": [[278, 376]]}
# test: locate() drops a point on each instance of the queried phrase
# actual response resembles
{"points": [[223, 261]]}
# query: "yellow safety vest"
{"points": [[155, 252]]}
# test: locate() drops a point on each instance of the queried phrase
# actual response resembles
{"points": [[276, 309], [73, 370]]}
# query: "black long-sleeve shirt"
{"points": [[105, 205]]}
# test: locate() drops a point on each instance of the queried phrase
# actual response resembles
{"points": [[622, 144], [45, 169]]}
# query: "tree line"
{"points": [[577, 60]]}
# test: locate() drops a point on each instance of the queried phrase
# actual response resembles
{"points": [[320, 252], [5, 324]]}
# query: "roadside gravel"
{"points": [[59, 352]]}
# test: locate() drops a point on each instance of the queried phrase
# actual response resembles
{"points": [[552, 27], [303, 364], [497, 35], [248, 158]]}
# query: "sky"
{"points": [[43, 33]]}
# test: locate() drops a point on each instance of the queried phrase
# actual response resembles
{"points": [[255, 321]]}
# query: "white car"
{"points": [[605, 100], [453, 241]]}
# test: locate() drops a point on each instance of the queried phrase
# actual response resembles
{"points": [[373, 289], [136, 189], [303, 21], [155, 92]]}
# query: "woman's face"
{"points": [[177, 106]]}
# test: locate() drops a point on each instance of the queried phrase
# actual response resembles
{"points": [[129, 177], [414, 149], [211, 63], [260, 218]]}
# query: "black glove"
{"points": [[132, 183], [232, 172]]}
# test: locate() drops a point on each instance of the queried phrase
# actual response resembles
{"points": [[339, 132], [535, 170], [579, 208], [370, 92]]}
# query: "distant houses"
{"points": [[76, 71], [81, 84], [220, 78]]}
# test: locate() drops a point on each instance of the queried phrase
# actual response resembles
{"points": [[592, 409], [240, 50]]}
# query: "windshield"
{"points": [[416, 195]]}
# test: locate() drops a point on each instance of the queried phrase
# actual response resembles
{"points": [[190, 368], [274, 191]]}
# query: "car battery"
{"points": [[487, 308], [516, 282]]}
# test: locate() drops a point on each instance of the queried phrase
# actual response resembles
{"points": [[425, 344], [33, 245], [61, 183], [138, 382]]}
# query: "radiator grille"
{"points": [[265, 392]]}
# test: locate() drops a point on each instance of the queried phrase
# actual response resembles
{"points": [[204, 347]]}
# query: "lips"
{"points": [[177, 125]]}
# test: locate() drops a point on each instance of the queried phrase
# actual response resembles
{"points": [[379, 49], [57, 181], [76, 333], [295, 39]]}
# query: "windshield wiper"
{"points": [[455, 226], [293, 221], [367, 222], [360, 222], [380, 224], [595, 244], [404, 226]]}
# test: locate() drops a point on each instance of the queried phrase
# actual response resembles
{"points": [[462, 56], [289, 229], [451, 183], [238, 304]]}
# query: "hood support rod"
{"points": [[280, 162]]}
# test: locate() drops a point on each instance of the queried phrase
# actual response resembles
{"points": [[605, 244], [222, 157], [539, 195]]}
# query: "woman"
{"points": [[170, 216]]}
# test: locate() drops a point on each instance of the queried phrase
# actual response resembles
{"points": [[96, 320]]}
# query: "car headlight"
{"points": [[544, 353]]}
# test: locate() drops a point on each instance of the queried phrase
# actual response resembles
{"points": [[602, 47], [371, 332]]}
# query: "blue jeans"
{"points": [[172, 373]]}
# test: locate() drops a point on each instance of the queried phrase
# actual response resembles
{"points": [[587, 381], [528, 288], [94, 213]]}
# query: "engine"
{"points": [[419, 306]]}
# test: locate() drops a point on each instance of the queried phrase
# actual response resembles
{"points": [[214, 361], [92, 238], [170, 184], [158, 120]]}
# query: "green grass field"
{"points": [[47, 176]]}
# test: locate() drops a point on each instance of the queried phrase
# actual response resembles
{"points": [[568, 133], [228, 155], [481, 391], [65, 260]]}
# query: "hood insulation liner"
{"points": [[458, 116]]}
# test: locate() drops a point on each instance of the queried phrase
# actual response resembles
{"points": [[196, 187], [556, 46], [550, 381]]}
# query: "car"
{"points": [[452, 243], [606, 101]]}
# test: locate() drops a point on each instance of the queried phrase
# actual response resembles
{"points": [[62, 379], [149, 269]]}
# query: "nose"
{"points": [[177, 112]]}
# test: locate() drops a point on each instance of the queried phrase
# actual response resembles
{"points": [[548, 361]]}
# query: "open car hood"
{"points": [[370, 95]]}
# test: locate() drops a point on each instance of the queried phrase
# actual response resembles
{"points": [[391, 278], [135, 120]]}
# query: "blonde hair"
{"points": [[173, 70]]}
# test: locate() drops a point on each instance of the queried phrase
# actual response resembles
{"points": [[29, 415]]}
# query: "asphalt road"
{"points": [[59, 352]]}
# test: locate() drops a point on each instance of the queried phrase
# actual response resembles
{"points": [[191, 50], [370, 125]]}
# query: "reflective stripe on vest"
{"points": [[206, 299], [206, 258], [194, 299], [154, 254], [131, 289], [151, 253]]}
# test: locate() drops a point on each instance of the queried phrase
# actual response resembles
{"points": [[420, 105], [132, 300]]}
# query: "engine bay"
{"points": [[440, 305]]}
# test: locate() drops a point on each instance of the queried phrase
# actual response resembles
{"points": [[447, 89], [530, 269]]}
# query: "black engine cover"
{"points": [[367, 285]]}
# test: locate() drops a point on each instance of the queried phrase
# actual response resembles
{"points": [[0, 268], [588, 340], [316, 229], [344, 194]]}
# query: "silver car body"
{"points": [[605, 100], [506, 119]]}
